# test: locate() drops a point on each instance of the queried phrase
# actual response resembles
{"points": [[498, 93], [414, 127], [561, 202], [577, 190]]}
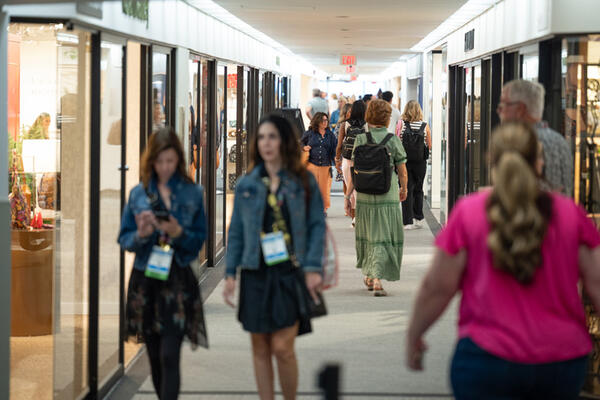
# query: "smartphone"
{"points": [[158, 209]]}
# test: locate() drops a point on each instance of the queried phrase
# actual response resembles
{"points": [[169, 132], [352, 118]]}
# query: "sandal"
{"points": [[368, 283], [378, 291]]}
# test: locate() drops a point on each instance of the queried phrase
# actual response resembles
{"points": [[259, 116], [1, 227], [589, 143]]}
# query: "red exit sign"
{"points": [[348, 60], [231, 81]]}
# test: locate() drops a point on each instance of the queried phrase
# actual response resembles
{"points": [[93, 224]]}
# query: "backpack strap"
{"points": [[386, 139], [408, 127], [422, 129], [369, 137]]}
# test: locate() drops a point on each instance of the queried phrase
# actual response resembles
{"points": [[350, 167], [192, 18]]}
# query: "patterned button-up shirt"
{"points": [[558, 160]]}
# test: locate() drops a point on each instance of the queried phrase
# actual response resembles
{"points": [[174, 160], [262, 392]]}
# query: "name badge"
{"points": [[274, 248], [159, 263]]}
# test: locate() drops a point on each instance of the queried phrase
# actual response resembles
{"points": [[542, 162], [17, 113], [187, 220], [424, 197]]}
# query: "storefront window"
{"points": [[159, 90], [530, 67], [220, 158], [232, 148], [444, 134], [581, 73], [196, 142], [49, 163]]}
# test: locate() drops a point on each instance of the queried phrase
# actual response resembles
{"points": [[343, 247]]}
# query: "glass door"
{"points": [[468, 130], [111, 190], [134, 128], [444, 136], [221, 150]]}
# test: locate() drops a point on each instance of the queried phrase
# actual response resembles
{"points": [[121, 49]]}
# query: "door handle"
{"points": [[124, 168]]}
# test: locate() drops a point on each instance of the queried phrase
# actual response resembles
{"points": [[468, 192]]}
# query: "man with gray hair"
{"points": [[317, 104], [523, 101]]}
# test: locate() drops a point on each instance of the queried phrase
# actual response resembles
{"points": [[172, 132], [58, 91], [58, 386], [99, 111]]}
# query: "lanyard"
{"points": [[279, 224]]}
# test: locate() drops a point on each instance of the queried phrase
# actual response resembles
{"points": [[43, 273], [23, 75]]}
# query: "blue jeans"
{"points": [[476, 374]]}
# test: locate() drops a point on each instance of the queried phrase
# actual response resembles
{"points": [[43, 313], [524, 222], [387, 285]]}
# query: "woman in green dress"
{"points": [[379, 229]]}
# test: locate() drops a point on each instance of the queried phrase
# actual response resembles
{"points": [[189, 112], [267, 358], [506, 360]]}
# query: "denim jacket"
{"points": [[187, 206], [307, 226]]}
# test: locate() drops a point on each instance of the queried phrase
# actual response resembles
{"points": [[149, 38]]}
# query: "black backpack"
{"points": [[372, 171], [414, 142], [349, 138]]}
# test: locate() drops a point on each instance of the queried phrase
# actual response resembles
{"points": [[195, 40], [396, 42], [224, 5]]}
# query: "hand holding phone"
{"points": [[144, 222]]}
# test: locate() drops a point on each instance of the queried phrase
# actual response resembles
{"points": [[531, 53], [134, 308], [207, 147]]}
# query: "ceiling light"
{"points": [[342, 16], [463, 15]]}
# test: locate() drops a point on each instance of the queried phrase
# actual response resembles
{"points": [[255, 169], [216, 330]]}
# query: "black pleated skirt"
{"points": [[271, 299]]}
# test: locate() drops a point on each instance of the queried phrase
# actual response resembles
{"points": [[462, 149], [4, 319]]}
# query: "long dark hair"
{"points": [[161, 140], [289, 150], [357, 113]]}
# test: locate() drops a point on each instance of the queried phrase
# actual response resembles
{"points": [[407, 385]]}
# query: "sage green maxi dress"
{"points": [[378, 226]]}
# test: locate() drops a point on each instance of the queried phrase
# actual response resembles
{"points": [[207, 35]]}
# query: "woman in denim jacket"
{"points": [[269, 307], [165, 211]]}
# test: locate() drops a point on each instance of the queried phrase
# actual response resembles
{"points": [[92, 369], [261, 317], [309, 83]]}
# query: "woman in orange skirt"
{"points": [[320, 143]]}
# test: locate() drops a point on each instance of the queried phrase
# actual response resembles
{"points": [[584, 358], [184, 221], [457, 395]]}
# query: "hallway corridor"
{"points": [[364, 334]]}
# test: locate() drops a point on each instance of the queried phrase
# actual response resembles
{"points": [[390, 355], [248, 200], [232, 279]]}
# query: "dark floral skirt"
{"points": [[171, 307]]}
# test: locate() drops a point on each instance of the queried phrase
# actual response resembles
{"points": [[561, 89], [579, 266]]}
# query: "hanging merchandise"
{"points": [[232, 179], [232, 154]]}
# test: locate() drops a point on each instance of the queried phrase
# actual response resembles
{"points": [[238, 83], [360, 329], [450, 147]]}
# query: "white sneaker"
{"points": [[353, 222], [420, 223], [410, 227]]}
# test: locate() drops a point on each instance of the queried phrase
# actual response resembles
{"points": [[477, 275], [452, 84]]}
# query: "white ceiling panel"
{"points": [[376, 31]]}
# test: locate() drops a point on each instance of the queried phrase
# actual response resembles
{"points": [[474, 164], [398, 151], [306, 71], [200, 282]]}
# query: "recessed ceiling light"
{"points": [[342, 16]]}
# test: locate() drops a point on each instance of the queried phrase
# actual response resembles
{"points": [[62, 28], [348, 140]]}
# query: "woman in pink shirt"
{"points": [[516, 253]]}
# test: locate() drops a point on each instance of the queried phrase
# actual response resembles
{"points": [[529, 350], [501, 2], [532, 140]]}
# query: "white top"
{"points": [[396, 115]]}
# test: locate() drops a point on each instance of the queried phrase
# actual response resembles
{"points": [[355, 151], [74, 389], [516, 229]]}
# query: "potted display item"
{"points": [[31, 260]]}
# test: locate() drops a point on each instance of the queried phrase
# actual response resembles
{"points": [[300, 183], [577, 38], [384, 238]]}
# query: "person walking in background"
{"points": [[523, 101], [344, 115], [335, 116], [388, 96], [278, 201], [164, 224], [379, 233], [516, 253], [316, 104], [416, 139], [320, 143], [354, 126]]}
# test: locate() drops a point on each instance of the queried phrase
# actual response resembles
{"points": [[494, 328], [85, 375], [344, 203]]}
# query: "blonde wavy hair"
{"points": [[412, 112], [518, 210]]}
